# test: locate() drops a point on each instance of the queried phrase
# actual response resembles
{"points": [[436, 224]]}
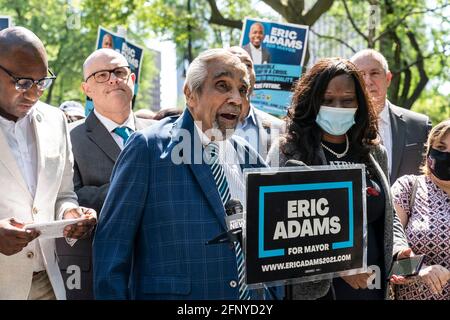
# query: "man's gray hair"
{"points": [[198, 69], [371, 53]]}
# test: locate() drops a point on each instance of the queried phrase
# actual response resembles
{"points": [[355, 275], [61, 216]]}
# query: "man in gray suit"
{"points": [[96, 144], [255, 49], [257, 127], [402, 132]]}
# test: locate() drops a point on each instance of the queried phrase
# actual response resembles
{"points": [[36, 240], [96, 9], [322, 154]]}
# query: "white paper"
{"points": [[52, 229]]}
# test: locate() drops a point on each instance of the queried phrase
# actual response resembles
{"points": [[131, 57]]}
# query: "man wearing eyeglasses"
{"points": [[96, 144], [35, 170]]}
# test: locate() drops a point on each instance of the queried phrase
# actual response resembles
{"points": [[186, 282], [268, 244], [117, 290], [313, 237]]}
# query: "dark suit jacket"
{"points": [[266, 56], [95, 153], [394, 235], [162, 207], [409, 135]]}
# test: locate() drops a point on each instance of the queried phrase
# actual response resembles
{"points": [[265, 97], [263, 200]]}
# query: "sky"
{"points": [[168, 71]]}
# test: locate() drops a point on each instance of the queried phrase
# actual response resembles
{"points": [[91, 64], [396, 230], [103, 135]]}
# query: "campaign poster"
{"points": [[278, 53], [304, 225], [5, 22], [132, 52]]}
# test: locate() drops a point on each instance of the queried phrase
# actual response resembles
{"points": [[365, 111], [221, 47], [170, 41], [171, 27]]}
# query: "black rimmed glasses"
{"points": [[104, 75], [24, 84]]}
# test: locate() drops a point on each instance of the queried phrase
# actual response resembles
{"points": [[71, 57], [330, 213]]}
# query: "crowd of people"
{"points": [[151, 189]]}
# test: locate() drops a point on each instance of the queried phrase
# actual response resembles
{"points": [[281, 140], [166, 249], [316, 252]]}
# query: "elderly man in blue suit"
{"points": [[165, 201]]}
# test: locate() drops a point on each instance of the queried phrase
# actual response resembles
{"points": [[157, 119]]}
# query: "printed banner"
{"points": [[278, 52], [304, 225], [132, 52]]}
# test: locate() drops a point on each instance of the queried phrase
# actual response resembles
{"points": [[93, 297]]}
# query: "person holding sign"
{"points": [[331, 121], [423, 204]]}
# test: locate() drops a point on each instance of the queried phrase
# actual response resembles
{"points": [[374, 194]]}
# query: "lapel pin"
{"points": [[39, 118]]}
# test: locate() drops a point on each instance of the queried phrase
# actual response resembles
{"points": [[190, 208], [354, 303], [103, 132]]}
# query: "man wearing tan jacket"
{"points": [[36, 172]]}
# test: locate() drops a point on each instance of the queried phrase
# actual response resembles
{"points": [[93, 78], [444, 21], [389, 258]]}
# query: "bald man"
{"points": [[36, 172], [255, 49], [257, 127], [96, 144], [403, 132]]}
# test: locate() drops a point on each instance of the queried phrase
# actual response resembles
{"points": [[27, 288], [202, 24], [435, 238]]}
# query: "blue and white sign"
{"points": [[278, 52], [304, 225], [5, 22]]}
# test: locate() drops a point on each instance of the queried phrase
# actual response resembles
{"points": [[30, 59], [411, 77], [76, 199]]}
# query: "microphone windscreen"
{"points": [[233, 206]]}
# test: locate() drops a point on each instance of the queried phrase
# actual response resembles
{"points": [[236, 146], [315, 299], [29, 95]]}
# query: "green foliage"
{"points": [[412, 35], [171, 20], [68, 44], [434, 105]]}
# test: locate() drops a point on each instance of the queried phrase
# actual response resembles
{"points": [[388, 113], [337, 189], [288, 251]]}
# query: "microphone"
{"points": [[235, 214], [234, 220], [296, 163]]}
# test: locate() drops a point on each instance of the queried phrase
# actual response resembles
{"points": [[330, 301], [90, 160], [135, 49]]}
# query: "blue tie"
{"points": [[123, 132], [224, 192]]}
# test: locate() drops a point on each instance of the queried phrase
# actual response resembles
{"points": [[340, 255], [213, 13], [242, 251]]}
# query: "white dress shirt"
{"points": [[22, 142], [111, 125], [384, 124], [230, 163], [256, 54]]}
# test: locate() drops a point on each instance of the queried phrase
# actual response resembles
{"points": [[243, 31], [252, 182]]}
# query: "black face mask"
{"points": [[439, 164]]}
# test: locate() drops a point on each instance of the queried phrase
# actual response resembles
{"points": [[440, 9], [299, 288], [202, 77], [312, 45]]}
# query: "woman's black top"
{"points": [[375, 228]]}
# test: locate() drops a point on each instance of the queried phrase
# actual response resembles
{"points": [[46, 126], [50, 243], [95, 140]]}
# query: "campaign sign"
{"points": [[5, 22], [278, 52], [132, 52], [304, 225]]}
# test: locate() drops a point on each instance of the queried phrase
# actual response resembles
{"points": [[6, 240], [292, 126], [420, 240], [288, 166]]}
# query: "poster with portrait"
{"points": [[5, 22], [132, 52], [278, 52], [304, 224]]}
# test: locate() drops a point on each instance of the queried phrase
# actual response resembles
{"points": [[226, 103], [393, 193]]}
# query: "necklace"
{"points": [[338, 155]]}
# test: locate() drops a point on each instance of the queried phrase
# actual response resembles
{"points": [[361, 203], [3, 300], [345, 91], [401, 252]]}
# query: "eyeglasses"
{"points": [[104, 75], [24, 84]]}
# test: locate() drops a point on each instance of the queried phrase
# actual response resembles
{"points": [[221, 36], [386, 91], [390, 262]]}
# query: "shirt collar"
{"points": [[205, 140], [251, 116], [27, 118], [384, 114], [255, 48], [111, 125]]}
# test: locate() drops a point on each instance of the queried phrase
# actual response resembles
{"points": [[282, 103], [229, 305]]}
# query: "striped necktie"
{"points": [[123, 132], [224, 192]]}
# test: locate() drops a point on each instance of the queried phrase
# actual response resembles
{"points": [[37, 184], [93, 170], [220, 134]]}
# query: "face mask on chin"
{"points": [[439, 164], [336, 121]]}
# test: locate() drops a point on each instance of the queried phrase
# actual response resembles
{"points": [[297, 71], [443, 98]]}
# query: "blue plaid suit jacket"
{"points": [[158, 215]]}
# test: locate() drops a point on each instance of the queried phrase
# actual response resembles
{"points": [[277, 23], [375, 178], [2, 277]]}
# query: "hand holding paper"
{"points": [[88, 220], [50, 229], [13, 236]]}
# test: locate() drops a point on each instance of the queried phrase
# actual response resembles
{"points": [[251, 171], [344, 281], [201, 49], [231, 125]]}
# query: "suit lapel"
{"points": [[140, 123], [201, 171], [98, 134], [10, 163], [398, 127], [39, 131]]}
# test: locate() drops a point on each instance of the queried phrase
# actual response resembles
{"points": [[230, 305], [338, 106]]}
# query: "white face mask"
{"points": [[336, 121]]}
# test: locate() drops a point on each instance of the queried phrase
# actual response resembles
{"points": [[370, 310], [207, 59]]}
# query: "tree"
{"points": [[416, 50], [69, 34]]}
